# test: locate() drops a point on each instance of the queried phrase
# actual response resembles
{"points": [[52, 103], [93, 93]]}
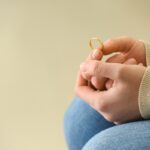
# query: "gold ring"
{"points": [[95, 39]]}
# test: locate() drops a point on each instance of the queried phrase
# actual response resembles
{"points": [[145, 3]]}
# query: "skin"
{"points": [[116, 85]]}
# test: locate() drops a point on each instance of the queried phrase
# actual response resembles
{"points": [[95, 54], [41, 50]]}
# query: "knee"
{"points": [[71, 114], [121, 137], [77, 114], [103, 141], [114, 138], [81, 122], [74, 115], [73, 123]]}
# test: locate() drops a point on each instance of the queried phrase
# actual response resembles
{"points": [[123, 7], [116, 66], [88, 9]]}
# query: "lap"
{"points": [[81, 123], [133, 136]]}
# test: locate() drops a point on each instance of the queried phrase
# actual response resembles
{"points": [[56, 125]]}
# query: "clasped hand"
{"points": [[112, 87]]}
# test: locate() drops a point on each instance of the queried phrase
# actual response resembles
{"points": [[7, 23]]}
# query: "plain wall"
{"points": [[42, 43]]}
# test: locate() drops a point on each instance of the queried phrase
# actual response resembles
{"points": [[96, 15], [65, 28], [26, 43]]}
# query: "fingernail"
{"points": [[83, 67], [95, 53]]}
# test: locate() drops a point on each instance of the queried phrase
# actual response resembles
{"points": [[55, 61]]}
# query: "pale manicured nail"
{"points": [[95, 53]]}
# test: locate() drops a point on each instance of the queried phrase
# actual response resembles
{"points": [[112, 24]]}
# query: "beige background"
{"points": [[42, 44]]}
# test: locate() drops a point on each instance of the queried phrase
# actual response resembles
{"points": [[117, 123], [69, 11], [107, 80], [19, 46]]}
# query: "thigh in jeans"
{"points": [[129, 136], [81, 123]]}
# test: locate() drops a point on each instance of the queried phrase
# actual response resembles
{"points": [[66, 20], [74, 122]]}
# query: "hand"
{"points": [[99, 81], [118, 104], [127, 48], [96, 54]]}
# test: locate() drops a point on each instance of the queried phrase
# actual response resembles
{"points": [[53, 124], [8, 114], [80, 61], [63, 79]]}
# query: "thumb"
{"points": [[99, 68], [119, 44]]}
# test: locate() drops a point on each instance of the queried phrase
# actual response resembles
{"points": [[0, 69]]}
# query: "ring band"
{"points": [[95, 39]]}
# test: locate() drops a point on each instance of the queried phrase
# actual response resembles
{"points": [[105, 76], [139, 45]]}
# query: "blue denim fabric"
{"points": [[86, 129]]}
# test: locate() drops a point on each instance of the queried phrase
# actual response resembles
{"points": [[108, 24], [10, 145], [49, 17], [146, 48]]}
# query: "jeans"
{"points": [[86, 129]]}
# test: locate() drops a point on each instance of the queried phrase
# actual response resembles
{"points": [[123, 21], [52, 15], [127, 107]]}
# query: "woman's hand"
{"points": [[128, 48], [119, 103]]}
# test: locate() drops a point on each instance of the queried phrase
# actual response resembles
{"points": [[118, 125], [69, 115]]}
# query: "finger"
{"points": [[97, 68], [80, 80], [119, 44], [93, 82], [89, 95], [109, 84], [131, 61], [100, 82], [117, 58], [95, 54], [81, 75], [96, 83], [85, 92], [90, 84], [86, 76]]}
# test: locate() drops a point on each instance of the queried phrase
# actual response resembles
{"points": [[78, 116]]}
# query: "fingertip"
{"points": [[118, 44], [108, 45], [97, 54]]}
